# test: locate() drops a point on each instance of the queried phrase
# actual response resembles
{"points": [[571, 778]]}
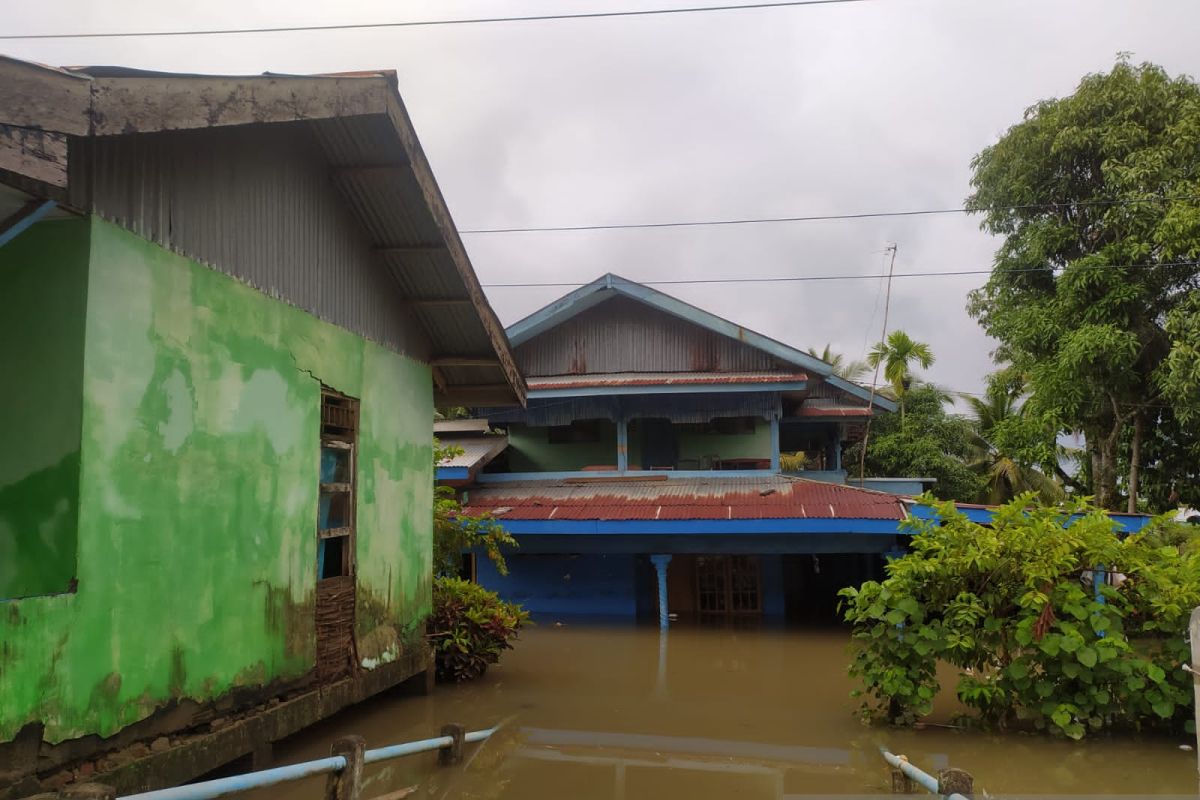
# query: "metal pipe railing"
{"points": [[924, 779], [219, 787]]}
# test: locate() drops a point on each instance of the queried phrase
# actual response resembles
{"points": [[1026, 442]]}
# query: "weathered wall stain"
{"points": [[198, 495]]}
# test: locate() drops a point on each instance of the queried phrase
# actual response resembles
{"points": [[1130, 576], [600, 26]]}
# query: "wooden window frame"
{"points": [[339, 431]]}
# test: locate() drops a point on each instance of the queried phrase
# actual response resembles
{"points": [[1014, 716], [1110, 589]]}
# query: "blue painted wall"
{"points": [[565, 585], [771, 575]]}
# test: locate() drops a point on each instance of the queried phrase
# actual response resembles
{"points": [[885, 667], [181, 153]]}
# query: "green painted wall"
{"points": [[42, 308], [529, 450], [696, 446], [740, 445], [198, 499]]}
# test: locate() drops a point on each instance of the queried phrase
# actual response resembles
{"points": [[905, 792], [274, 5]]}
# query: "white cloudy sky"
{"points": [[758, 113]]}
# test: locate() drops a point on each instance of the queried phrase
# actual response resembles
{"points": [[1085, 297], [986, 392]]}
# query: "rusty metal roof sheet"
{"points": [[768, 497], [660, 379]]}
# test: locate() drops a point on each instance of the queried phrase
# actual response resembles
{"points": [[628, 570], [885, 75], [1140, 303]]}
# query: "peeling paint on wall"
{"points": [[198, 498]]}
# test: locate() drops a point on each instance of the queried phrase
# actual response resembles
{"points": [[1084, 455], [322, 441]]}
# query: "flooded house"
{"points": [[229, 306], [646, 475]]}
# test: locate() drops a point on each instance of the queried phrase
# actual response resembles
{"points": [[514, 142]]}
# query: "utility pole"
{"points": [[887, 304]]}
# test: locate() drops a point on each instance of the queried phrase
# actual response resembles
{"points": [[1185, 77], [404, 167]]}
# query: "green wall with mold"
{"points": [[530, 450], [198, 498], [42, 310]]}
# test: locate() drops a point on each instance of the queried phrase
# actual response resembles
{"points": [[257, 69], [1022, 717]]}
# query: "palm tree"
{"points": [[896, 354], [849, 370], [1006, 477]]}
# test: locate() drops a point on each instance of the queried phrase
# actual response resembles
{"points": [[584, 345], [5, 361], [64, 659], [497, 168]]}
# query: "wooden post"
{"points": [[901, 783], [955, 781], [347, 784], [449, 756], [89, 791], [1194, 635]]}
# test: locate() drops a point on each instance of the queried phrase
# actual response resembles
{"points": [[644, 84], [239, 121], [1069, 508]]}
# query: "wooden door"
{"points": [[728, 585]]}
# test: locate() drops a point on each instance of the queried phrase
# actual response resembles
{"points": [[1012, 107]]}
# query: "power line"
{"points": [[866, 276], [922, 212], [433, 22]]}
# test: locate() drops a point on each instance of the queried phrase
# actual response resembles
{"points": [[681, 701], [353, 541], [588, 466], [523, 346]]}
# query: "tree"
{"points": [[849, 370], [1097, 199], [930, 444], [897, 355], [998, 418]]}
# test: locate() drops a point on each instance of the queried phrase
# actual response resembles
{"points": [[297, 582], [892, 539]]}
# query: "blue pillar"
{"points": [[622, 444], [775, 442], [660, 566], [839, 434]]}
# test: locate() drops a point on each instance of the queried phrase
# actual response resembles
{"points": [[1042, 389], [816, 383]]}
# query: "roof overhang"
{"points": [[375, 160]]}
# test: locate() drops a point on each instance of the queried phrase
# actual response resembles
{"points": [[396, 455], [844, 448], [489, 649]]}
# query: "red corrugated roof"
{"points": [[660, 379], [773, 497]]}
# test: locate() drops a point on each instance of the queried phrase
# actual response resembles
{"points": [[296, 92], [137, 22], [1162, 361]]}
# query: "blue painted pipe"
{"points": [[926, 780], [242, 783], [294, 772]]}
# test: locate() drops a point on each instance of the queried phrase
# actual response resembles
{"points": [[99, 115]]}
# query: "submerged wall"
{"points": [[198, 498]]}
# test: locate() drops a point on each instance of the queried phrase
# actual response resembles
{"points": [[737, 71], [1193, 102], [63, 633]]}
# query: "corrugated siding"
{"points": [[257, 203], [623, 335]]}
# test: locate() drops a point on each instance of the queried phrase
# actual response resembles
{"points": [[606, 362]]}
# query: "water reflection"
{"points": [[624, 713]]}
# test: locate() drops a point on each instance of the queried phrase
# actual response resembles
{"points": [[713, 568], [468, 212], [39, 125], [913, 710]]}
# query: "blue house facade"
{"points": [[644, 477]]}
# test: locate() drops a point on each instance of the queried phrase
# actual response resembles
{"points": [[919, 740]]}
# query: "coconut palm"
{"points": [[1006, 477], [849, 370]]}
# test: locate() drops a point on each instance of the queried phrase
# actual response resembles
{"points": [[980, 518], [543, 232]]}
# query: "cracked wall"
{"points": [[198, 498]]}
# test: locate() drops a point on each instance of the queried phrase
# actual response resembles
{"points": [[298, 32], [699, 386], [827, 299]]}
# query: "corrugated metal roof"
{"points": [[833, 411], [178, 183], [660, 379], [769, 497], [476, 450]]}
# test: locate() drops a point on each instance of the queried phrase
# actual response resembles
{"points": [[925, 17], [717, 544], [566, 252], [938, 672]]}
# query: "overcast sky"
{"points": [[758, 113]]}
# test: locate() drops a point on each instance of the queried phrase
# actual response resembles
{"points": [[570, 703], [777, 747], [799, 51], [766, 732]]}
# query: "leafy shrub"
{"points": [[470, 627], [1010, 605], [455, 532]]}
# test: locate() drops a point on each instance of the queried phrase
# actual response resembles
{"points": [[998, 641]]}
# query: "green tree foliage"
{"points": [[1085, 191], [1011, 607], [897, 355], [842, 367], [1006, 445], [928, 442], [470, 627]]}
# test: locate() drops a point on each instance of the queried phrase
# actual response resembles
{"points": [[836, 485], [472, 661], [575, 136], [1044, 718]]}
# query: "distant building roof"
{"points": [[609, 286], [458, 427], [771, 497]]}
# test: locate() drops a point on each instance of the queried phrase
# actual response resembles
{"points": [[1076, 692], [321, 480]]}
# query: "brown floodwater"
{"points": [[620, 713]]}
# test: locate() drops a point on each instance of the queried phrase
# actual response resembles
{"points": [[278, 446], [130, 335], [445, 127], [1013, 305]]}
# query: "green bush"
{"points": [[470, 627], [1008, 605]]}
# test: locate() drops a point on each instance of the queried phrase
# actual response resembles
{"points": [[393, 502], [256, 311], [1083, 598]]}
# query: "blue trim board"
{"points": [[453, 473], [668, 474], [537, 545], [20, 222], [667, 388], [607, 285], [1128, 523]]}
